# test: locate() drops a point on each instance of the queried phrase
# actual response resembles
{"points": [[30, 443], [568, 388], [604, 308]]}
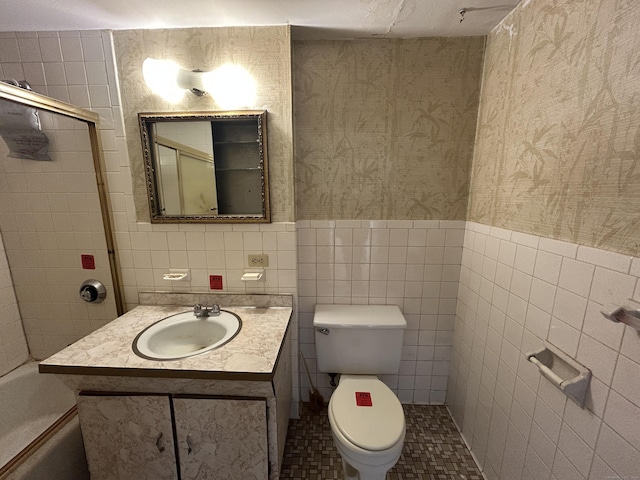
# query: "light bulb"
{"points": [[161, 77], [231, 86]]}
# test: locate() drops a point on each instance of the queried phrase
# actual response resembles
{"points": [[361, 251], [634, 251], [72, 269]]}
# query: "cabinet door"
{"points": [[221, 438], [128, 437]]}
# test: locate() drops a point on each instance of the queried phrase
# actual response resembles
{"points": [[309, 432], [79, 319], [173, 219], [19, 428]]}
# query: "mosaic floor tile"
{"points": [[433, 449]]}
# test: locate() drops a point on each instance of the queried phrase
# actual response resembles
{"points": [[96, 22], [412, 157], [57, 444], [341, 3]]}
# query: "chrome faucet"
{"points": [[204, 311]]}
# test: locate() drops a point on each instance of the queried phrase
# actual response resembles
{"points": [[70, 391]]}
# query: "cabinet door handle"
{"points": [[160, 443], [189, 445]]}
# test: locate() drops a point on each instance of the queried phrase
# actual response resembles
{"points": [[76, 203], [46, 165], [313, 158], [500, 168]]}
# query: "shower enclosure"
{"points": [[55, 233], [52, 213]]}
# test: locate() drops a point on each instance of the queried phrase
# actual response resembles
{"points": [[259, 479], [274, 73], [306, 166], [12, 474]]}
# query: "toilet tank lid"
{"points": [[358, 316]]}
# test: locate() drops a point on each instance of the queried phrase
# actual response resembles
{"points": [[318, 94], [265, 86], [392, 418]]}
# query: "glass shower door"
{"points": [[52, 224]]}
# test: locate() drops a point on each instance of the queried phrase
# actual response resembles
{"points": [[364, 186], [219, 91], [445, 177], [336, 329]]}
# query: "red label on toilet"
{"points": [[363, 399]]}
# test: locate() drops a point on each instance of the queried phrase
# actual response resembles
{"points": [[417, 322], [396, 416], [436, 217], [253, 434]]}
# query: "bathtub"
{"points": [[39, 430]]}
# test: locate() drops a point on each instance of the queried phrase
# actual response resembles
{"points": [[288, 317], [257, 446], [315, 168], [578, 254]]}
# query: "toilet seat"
{"points": [[373, 428]]}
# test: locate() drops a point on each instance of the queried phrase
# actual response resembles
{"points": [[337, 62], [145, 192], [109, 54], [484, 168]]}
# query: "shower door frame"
{"points": [[42, 102]]}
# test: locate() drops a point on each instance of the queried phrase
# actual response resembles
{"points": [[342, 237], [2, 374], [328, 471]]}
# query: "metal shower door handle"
{"points": [[92, 291]]}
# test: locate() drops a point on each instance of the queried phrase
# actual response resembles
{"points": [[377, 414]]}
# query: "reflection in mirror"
{"points": [[206, 167]]}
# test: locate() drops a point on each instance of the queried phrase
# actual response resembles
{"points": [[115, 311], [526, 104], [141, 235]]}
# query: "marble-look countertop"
{"points": [[251, 355]]}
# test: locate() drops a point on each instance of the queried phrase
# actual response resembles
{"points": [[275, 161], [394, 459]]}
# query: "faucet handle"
{"points": [[203, 310], [200, 310]]}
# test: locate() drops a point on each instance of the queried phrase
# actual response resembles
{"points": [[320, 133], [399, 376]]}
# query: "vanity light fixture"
{"points": [[231, 86]]}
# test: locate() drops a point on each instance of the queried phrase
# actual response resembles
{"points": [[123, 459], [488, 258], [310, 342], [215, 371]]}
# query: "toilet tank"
{"points": [[359, 339]]}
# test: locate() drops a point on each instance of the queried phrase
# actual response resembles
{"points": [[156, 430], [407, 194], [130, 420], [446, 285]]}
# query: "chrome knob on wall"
{"points": [[93, 291]]}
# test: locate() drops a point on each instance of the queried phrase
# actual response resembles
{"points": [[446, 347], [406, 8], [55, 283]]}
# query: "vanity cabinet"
{"points": [[148, 420], [128, 436], [222, 439], [164, 437]]}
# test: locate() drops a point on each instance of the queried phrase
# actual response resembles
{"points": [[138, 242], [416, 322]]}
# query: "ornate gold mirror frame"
{"points": [[206, 167]]}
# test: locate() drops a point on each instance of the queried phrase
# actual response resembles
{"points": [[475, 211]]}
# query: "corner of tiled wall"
{"points": [[518, 291]]}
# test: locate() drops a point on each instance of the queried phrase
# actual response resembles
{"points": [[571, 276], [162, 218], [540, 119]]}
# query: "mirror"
{"points": [[206, 166]]}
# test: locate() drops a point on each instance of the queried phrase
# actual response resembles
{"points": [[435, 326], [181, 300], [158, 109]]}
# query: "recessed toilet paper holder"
{"points": [[571, 377]]}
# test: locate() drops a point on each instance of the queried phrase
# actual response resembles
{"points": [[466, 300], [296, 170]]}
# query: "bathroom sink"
{"points": [[184, 335]]}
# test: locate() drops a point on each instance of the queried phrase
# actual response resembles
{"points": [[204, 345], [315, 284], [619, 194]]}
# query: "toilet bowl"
{"points": [[367, 420], [367, 425]]}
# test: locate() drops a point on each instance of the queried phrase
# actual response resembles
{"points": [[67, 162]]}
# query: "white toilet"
{"points": [[367, 420]]}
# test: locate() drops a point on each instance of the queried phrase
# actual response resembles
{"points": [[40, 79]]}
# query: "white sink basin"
{"points": [[184, 335]]}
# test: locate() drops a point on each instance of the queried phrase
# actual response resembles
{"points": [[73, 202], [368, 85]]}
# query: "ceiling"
{"points": [[313, 19]]}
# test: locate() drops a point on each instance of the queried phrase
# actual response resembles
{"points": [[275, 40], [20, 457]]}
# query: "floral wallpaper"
{"points": [[264, 51], [558, 145], [385, 128]]}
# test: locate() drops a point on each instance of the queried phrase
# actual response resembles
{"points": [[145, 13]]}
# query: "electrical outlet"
{"points": [[258, 261]]}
